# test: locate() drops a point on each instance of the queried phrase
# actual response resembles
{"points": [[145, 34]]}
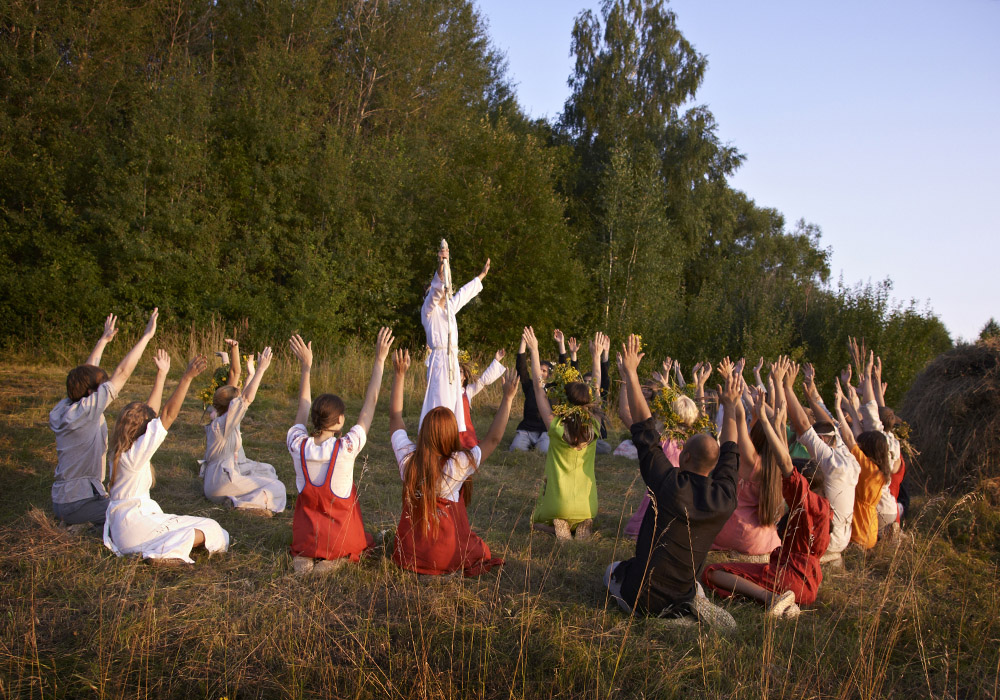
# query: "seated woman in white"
{"points": [[230, 477], [135, 523]]}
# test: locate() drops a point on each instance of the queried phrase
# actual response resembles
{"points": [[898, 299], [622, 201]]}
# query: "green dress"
{"points": [[798, 450], [570, 489]]}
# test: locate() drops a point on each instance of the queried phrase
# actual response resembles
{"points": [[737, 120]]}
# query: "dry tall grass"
{"points": [[915, 620]]}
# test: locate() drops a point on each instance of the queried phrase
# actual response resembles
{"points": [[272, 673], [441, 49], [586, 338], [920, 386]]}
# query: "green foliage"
{"points": [[296, 164], [990, 330]]}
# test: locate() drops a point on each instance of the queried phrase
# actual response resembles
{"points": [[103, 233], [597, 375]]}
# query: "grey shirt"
{"points": [[81, 445]]}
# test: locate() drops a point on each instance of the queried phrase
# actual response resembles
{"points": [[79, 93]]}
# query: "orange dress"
{"points": [[867, 493]]}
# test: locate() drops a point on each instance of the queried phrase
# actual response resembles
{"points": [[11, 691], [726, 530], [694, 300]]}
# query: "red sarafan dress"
{"points": [[468, 436], [326, 526], [453, 546], [895, 482], [794, 566]]}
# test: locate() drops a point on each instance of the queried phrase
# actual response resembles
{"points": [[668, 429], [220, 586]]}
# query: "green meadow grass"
{"points": [[915, 620]]}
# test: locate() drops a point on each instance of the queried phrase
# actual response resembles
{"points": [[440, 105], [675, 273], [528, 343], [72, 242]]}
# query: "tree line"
{"points": [[296, 162]]}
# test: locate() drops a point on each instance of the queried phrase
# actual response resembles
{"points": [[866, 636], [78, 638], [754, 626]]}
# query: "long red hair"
{"points": [[437, 442]]}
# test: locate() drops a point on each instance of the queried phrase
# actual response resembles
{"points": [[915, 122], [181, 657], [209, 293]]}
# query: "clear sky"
{"points": [[877, 121]]}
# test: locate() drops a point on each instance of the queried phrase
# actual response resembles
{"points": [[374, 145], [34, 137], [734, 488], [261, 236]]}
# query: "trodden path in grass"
{"points": [[917, 620]]}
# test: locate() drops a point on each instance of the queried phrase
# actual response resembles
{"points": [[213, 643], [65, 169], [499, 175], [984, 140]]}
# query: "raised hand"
{"points": [[231, 343], [109, 328], [162, 361], [726, 368], [382, 344], [500, 354], [510, 383], [877, 370], [791, 371], [196, 366], [757, 367], [263, 359], [632, 353], [151, 324], [401, 361], [574, 345], [732, 391], [302, 350], [845, 376], [486, 269], [738, 368], [557, 335], [809, 375], [529, 338]]}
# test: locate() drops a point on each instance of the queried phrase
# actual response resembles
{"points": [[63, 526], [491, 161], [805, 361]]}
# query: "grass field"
{"points": [[918, 620]]}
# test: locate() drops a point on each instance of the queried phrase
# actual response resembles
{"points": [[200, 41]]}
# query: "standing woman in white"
{"points": [[444, 377], [136, 524], [229, 475]]}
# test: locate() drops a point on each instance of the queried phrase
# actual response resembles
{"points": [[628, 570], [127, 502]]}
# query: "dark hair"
{"points": [[876, 448], [578, 430], [326, 410], [824, 427], [467, 374], [82, 380]]}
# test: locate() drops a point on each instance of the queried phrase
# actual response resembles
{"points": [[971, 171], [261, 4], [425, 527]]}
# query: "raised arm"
{"points": [[812, 394], [796, 414], [756, 375], [629, 359], [702, 372], [400, 363], [106, 337], [574, 347], [729, 396], [541, 400], [125, 368], [304, 352], [748, 453], [777, 445], [162, 361], [173, 407], [557, 335], [623, 410], [595, 361], [233, 379], [845, 432], [492, 440], [263, 362], [493, 372], [382, 344]]}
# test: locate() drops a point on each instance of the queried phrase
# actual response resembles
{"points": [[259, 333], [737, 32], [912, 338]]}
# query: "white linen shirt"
{"points": [[318, 458], [81, 445], [840, 477], [489, 375], [456, 470]]}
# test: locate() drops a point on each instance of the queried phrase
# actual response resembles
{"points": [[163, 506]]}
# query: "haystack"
{"points": [[953, 409]]}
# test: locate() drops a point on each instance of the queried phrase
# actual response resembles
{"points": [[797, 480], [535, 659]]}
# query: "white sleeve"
{"points": [[234, 414], [435, 291], [90, 408], [354, 440], [142, 450], [402, 447], [869, 417], [489, 375], [464, 295], [817, 449]]}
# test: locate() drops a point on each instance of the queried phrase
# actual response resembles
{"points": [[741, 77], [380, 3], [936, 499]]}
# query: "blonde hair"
{"points": [[131, 423], [686, 409]]}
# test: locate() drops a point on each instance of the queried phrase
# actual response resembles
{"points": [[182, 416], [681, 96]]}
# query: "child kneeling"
{"points": [[327, 528], [434, 536]]}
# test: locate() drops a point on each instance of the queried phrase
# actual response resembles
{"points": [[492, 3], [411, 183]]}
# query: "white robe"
{"points": [[137, 525], [444, 388], [229, 475]]}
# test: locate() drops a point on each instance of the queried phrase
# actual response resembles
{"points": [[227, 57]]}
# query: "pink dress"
{"points": [[743, 532], [672, 450]]}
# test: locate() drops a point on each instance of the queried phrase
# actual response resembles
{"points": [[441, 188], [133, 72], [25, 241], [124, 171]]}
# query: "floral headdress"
{"points": [[464, 358], [555, 389], [674, 428], [219, 378]]}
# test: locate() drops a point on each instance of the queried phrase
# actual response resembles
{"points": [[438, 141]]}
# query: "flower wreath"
{"points": [[219, 378], [555, 389], [464, 358], [673, 427]]}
